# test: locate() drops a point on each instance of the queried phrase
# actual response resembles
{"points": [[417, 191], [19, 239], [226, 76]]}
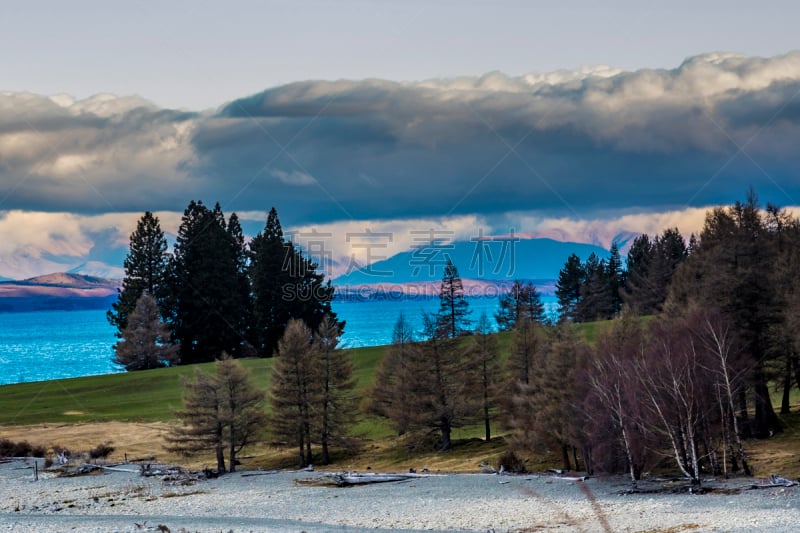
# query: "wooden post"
{"points": [[35, 470]]}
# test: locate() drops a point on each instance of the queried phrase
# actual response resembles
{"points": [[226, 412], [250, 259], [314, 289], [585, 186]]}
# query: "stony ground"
{"points": [[257, 501]]}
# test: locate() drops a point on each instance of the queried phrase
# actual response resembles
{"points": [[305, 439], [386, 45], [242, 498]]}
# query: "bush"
{"points": [[101, 451], [5, 448], [511, 463], [9, 448], [38, 451]]}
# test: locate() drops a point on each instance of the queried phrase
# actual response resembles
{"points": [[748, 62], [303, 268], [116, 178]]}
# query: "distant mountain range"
{"points": [[486, 266], [61, 291], [495, 260]]}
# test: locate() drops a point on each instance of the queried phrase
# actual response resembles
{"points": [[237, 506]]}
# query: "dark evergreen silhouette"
{"points": [[452, 319], [145, 270], [523, 301], [285, 285], [206, 295], [568, 288], [651, 265]]}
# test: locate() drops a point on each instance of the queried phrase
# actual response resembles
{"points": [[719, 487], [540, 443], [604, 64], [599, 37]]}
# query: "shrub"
{"points": [[9, 448], [511, 463], [101, 451]]}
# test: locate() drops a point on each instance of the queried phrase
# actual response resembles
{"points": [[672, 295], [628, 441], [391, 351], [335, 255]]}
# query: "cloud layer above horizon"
{"points": [[525, 152]]}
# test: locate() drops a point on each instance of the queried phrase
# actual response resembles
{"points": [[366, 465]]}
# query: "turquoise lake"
{"points": [[62, 344]]}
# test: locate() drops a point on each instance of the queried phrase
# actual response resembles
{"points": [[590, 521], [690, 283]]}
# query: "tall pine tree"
{"points": [[145, 270], [523, 301], [285, 285], [568, 288], [206, 296], [453, 317]]}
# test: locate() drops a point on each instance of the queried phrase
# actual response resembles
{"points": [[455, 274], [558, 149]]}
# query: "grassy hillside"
{"points": [[133, 410], [145, 396]]}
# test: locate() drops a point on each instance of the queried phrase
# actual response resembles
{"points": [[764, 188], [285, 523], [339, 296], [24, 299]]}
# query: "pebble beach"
{"points": [[286, 501]]}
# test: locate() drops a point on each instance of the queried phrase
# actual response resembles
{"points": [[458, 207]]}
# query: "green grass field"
{"points": [[153, 396]]}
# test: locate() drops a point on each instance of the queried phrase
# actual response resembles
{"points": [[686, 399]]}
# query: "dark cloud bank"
{"points": [[566, 143]]}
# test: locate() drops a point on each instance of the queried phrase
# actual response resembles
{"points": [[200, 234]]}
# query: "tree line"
{"points": [[214, 293], [693, 382]]}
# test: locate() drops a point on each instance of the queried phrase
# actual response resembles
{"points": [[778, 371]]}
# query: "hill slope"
{"points": [[59, 291]]}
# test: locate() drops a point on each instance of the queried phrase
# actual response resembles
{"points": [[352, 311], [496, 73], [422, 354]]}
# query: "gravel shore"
{"points": [[242, 502]]}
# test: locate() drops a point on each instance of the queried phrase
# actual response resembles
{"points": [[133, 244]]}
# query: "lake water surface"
{"points": [[61, 344]]}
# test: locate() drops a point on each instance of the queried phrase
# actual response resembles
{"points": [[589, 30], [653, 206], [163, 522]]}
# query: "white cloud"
{"points": [[295, 177]]}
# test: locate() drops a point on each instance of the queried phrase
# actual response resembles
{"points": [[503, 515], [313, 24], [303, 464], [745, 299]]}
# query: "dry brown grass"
{"points": [[779, 454], [135, 439], [146, 439]]}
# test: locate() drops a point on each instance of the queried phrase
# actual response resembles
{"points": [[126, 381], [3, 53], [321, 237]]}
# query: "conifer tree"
{"points": [[568, 288], [615, 278], [453, 317], [392, 392], [487, 363], [221, 410], [293, 392], [523, 301], [202, 426], [206, 293], [337, 407], [242, 406], [285, 285], [145, 270], [146, 342]]}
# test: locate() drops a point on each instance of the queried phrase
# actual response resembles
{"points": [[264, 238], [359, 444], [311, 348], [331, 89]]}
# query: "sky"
{"points": [[573, 120]]}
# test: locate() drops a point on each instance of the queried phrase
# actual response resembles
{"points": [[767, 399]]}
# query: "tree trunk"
{"points": [[565, 463], [220, 459], [787, 387], [446, 430], [745, 430], [326, 458], [232, 451], [796, 367], [766, 421]]}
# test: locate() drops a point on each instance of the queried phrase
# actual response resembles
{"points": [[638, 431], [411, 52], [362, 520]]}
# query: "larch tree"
{"points": [[486, 352], [223, 410], [146, 341], [337, 408], [444, 379], [293, 392], [145, 270], [242, 406], [202, 426], [392, 394], [546, 409]]}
